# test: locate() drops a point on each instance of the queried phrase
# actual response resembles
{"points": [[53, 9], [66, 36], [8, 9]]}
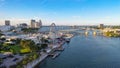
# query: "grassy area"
{"points": [[29, 58], [23, 46], [15, 48]]}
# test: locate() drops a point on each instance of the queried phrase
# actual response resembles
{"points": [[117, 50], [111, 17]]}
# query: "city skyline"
{"points": [[64, 12]]}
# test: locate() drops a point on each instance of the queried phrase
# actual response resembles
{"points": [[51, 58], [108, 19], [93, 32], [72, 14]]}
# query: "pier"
{"points": [[60, 49], [56, 54]]}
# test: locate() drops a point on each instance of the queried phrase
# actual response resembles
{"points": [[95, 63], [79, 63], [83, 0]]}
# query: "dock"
{"points": [[60, 49], [56, 54]]}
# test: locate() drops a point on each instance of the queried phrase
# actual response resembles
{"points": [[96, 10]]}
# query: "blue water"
{"points": [[87, 52]]}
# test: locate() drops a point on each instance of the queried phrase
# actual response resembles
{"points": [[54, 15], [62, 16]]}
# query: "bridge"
{"points": [[54, 30], [82, 31]]}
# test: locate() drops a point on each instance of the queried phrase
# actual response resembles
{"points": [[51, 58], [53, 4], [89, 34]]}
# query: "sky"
{"points": [[61, 12]]}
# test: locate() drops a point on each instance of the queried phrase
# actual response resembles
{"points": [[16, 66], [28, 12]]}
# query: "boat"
{"points": [[60, 49], [56, 54]]}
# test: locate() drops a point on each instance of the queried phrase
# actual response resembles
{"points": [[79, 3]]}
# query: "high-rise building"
{"points": [[39, 24], [7, 22], [101, 26], [33, 23]]}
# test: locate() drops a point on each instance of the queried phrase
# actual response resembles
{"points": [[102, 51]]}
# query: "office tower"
{"points": [[101, 26], [33, 23], [39, 24], [7, 22]]}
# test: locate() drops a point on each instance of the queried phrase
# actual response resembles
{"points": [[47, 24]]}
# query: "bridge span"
{"points": [[82, 31]]}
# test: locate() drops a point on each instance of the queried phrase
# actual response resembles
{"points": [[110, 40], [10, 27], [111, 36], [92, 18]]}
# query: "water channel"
{"points": [[87, 52]]}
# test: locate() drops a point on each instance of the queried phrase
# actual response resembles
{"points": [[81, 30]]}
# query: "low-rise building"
{"points": [[112, 30], [6, 28], [23, 25]]}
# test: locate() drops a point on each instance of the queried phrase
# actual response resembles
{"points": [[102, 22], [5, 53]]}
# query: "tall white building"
{"points": [[35, 24], [39, 24]]}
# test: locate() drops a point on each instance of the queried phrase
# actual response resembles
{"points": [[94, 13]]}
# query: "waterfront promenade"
{"points": [[35, 62], [44, 55]]}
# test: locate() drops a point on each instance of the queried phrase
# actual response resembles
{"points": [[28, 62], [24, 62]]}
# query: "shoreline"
{"points": [[43, 56]]}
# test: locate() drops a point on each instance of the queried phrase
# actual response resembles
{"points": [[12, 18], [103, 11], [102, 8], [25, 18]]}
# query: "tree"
{"points": [[24, 44], [2, 39], [44, 45], [43, 40], [18, 41], [27, 50], [30, 30], [29, 44]]}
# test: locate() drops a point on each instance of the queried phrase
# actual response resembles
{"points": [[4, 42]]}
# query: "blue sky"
{"points": [[62, 12]]}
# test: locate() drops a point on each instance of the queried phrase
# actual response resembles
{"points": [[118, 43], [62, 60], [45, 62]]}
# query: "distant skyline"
{"points": [[61, 12]]}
